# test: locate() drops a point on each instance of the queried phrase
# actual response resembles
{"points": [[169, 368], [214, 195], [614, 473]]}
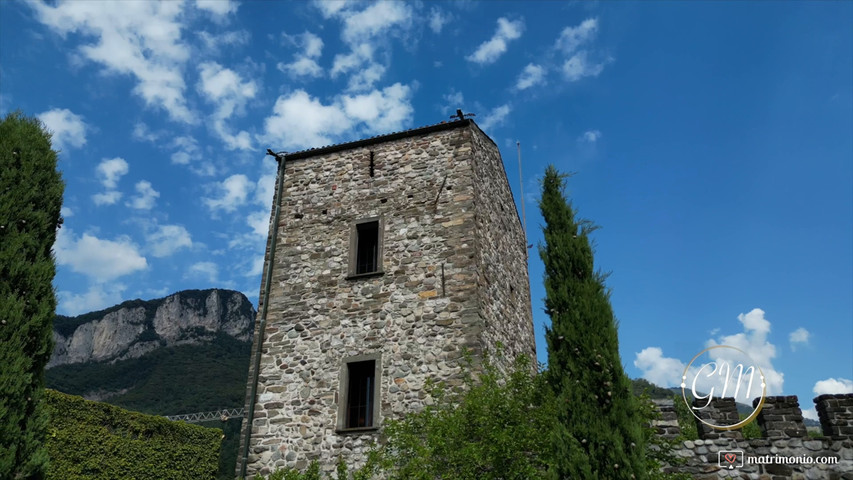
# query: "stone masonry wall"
{"points": [[419, 315], [504, 286], [784, 436]]}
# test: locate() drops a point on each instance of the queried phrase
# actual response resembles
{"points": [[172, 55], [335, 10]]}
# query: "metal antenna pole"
{"points": [[521, 183]]}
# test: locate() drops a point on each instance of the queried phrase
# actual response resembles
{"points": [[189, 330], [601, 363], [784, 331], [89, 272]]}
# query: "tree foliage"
{"points": [[30, 200], [493, 428], [598, 428]]}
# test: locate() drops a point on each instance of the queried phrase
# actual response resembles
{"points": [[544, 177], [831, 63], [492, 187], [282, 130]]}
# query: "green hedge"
{"points": [[96, 441]]}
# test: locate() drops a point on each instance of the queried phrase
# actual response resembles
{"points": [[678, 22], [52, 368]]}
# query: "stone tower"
{"points": [[391, 256]]}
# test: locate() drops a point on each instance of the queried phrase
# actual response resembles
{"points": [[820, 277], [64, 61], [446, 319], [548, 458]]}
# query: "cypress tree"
{"points": [[598, 431], [30, 200]]}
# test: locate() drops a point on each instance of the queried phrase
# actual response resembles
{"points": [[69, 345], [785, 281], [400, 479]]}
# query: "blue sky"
{"points": [[712, 142]]}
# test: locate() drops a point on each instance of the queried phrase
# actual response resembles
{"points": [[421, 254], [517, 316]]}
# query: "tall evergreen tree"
{"points": [[30, 200], [598, 432]]}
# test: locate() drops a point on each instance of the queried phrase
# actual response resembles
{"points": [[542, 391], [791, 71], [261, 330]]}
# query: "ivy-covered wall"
{"points": [[96, 441]]}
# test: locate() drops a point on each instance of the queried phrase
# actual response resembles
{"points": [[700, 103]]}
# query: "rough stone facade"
{"points": [[453, 278], [784, 436]]}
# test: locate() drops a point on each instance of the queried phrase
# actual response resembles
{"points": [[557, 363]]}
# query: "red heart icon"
{"points": [[730, 457]]}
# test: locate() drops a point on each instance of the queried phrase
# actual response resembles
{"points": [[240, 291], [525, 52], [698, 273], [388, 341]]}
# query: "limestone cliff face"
{"points": [[136, 327]]}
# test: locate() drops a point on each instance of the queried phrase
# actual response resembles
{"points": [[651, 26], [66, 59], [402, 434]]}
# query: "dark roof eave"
{"points": [[312, 152]]}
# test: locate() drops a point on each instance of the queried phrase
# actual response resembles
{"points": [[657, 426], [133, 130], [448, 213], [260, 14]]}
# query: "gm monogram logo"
{"points": [[723, 371]]}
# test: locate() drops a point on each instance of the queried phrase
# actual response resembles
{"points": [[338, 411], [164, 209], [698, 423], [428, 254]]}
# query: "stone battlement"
{"points": [[785, 450]]}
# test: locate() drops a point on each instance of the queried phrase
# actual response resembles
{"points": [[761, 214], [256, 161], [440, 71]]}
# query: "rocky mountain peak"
{"points": [[136, 327]]}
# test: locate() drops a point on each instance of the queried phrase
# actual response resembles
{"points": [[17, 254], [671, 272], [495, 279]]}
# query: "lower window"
{"points": [[359, 407]]}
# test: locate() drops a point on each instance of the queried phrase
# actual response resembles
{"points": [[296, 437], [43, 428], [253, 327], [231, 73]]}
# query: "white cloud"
{"points": [[102, 260], [68, 128], [662, 371], [145, 197], [97, 297], [214, 42], [579, 67], [490, 50], [495, 117], [168, 239], [106, 198], [532, 75], [833, 386], [753, 341], [207, 270], [573, 37], [454, 99], [260, 223], [141, 39], [330, 8], [438, 19], [375, 19], [798, 337], [590, 136], [110, 170], [217, 7], [300, 121], [234, 191], [141, 132], [667, 371], [225, 88], [364, 31], [257, 267], [305, 63], [66, 212]]}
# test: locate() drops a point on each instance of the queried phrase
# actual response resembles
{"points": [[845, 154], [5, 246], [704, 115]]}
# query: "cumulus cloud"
{"points": [[187, 149], [375, 20], [494, 118], [660, 370], [667, 371], [233, 192], [574, 43], [365, 31], [438, 19], [833, 386], [206, 270], [226, 89], [97, 297], [798, 337], [300, 121], [531, 76], [145, 196], [490, 50], [140, 39], [66, 211], [106, 198], [578, 67], [214, 42], [67, 128], [100, 259], [304, 63], [219, 8], [111, 170], [168, 239], [142, 133], [590, 136], [573, 37]]}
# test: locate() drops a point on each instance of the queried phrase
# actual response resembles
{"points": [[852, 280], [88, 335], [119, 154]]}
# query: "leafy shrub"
{"points": [[96, 441]]}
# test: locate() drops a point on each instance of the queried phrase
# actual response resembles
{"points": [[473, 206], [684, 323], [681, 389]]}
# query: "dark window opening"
{"points": [[367, 247], [372, 165], [360, 399]]}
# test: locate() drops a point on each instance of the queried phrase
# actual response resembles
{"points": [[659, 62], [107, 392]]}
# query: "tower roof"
{"points": [[311, 152]]}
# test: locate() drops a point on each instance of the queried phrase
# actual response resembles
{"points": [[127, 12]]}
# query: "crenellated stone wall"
{"points": [[784, 436], [453, 278]]}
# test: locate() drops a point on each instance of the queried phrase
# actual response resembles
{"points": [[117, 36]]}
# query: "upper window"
{"points": [[366, 247]]}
